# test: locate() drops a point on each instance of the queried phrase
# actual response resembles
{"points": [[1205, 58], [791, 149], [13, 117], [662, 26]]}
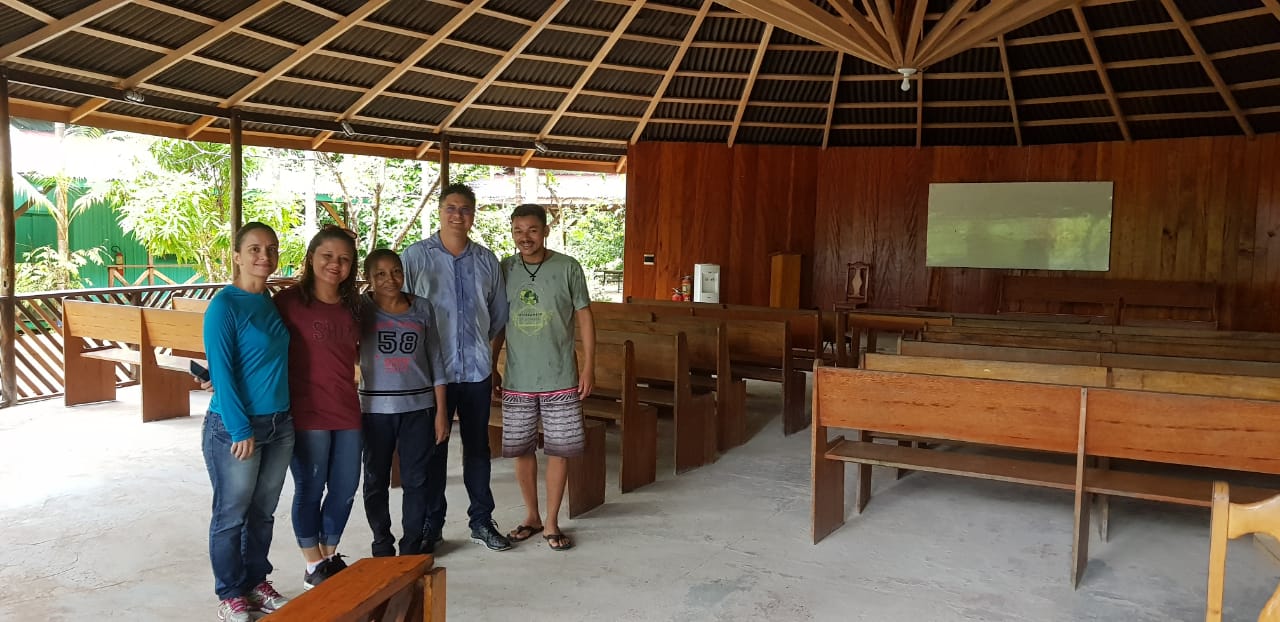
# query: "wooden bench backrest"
{"points": [[758, 342], [1213, 432], [102, 321], [1077, 375], [615, 365], [1230, 521], [706, 339], [1046, 294], [1220, 385], [1009, 414], [179, 330], [658, 357], [182, 303], [999, 353], [806, 324], [620, 311]]}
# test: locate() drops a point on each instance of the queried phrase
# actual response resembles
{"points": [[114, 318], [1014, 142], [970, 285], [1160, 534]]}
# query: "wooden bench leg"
{"points": [[87, 380], [864, 479], [828, 486], [433, 595], [794, 418], [1080, 547], [1102, 503], [901, 473], [731, 415], [166, 394], [587, 474], [639, 448], [692, 420]]}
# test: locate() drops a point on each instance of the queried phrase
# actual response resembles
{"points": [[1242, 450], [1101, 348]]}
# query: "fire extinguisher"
{"points": [[119, 256]]}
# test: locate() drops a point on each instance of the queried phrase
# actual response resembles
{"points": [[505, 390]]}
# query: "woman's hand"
{"points": [[242, 450]]}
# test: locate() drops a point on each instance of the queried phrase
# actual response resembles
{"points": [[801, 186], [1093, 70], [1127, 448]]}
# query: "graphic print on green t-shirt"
{"points": [[540, 326], [526, 315]]}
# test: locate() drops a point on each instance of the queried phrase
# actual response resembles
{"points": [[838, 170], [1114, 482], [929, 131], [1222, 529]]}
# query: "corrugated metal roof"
{"points": [[970, 136], [527, 9], [874, 91], [344, 7], [245, 51], [968, 114], [969, 89], [1195, 9], [594, 128], [1161, 43], [1241, 33], [595, 104], [415, 83], [1249, 68], [817, 62], [641, 54], [424, 17], [977, 59], [748, 135], [50, 96], [624, 82], [590, 14], [504, 121], [730, 30], [541, 72], [146, 24], [1170, 105], [291, 23], [57, 8], [462, 61], [339, 71], [1054, 54], [876, 116], [14, 24], [83, 51], [792, 91], [1060, 85], [871, 138], [679, 132], [132, 110], [1224, 126], [565, 44], [706, 88], [1058, 23], [1258, 97], [1265, 122], [520, 98], [1076, 133], [1180, 76], [490, 31], [695, 112], [408, 110], [663, 24], [364, 41], [718, 60], [305, 96], [774, 114], [1119, 14], [1064, 110]]}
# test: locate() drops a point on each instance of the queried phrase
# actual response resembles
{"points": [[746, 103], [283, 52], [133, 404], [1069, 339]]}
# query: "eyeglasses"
{"points": [[460, 211]]}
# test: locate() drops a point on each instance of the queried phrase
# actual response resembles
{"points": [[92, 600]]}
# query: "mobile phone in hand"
{"points": [[199, 371]]}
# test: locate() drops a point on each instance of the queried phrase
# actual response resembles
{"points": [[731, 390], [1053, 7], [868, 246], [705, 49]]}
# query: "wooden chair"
{"points": [[1232, 520], [933, 297], [857, 287]]}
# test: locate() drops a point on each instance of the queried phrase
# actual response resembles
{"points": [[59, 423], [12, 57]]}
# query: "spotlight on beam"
{"points": [[134, 96], [346, 128], [540, 146]]}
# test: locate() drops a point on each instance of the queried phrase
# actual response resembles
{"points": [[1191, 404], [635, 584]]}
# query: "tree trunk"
{"points": [[62, 215]]}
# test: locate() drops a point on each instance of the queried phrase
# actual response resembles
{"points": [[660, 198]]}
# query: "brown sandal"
{"points": [[523, 532], [558, 541]]}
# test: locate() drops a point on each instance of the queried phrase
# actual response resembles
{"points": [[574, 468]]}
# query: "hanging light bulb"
{"points": [[906, 78]]}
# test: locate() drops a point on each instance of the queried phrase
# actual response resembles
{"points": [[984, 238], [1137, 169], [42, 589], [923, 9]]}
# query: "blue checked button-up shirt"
{"points": [[468, 299]]}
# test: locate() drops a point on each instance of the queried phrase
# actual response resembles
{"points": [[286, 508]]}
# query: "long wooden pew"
{"points": [[662, 371], [709, 360], [1225, 347], [1103, 359], [401, 588], [1087, 423], [615, 374], [584, 488]]}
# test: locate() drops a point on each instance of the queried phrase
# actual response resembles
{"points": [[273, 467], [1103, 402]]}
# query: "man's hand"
{"points": [[497, 384], [442, 426], [205, 385], [242, 450], [586, 382]]}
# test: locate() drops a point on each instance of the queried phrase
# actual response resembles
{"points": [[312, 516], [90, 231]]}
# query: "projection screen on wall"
{"points": [[1035, 225]]}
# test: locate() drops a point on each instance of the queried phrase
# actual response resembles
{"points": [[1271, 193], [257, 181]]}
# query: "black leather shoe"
{"points": [[488, 535]]}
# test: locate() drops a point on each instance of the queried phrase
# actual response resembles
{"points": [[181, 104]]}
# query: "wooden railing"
{"points": [[38, 319]]}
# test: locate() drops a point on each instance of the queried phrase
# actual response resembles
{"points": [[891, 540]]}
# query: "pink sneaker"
{"points": [[265, 598], [234, 610]]}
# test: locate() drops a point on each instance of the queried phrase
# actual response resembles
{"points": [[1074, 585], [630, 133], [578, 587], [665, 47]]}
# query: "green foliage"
{"points": [[180, 203], [594, 235], [43, 270]]}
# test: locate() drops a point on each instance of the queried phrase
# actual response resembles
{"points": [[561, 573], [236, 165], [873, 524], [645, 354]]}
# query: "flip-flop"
{"points": [[558, 541], [523, 532]]}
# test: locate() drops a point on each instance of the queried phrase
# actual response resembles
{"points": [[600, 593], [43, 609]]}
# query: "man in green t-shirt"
{"points": [[547, 295]]}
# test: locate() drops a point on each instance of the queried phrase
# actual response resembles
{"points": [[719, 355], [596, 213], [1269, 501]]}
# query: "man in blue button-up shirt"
{"points": [[463, 282]]}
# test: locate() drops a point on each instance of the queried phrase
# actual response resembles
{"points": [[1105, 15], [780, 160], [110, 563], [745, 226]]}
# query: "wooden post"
{"points": [[444, 162], [8, 271], [237, 174]]}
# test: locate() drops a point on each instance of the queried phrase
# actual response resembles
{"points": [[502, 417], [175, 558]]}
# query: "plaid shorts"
{"points": [[561, 415]]}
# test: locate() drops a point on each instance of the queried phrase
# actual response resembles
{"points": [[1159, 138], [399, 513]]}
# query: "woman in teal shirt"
{"points": [[248, 433]]}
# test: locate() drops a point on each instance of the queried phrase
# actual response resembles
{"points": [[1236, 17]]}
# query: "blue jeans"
{"points": [[324, 458], [470, 401], [414, 434], [245, 495]]}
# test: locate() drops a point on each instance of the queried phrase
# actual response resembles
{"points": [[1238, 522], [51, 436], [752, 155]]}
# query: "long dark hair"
{"points": [[347, 291]]}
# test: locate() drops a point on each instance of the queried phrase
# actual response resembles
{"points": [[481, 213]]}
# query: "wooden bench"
{"points": [[586, 473], [1104, 359], [1111, 301], [401, 588], [165, 379], [183, 303], [1088, 423], [662, 366], [859, 327], [1232, 520], [615, 374], [709, 360]]}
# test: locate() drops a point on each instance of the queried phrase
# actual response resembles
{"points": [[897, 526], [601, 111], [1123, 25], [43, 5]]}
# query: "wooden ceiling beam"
{"points": [[942, 28], [919, 78], [1209, 67], [54, 29], [999, 17], [410, 61], [671, 70], [1273, 6], [831, 101], [865, 26], [29, 11], [890, 22], [751, 82], [502, 64], [596, 61], [200, 42], [1103, 77], [85, 109], [1008, 85], [914, 33], [809, 21]]}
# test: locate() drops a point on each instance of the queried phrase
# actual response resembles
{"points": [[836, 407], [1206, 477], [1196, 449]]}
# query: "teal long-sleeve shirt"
{"points": [[248, 349]]}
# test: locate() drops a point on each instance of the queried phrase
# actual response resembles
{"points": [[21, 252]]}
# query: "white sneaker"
{"points": [[234, 610], [265, 598]]}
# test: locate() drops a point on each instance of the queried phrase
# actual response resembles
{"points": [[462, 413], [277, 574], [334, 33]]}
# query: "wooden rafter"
{"points": [[28, 10], [809, 21], [1008, 85], [914, 32], [418, 54], [320, 139], [831, 100], [1083, 25], [85, 109], [751, 82], [299, 55], [671, 69], [245, 16], [866, 8], [869, 29], [1209, 67], [943, 27], [503, 63], [1273, 6], [55, 28], [997, 18], [890, 23], [586, 74], [919, 110]]}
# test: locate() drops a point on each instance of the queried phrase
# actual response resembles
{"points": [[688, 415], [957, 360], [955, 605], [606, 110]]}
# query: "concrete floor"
{"points": [[105, 518]]}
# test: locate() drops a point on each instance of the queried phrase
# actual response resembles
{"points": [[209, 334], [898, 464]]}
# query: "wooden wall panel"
{"points": [[1200, 209]]}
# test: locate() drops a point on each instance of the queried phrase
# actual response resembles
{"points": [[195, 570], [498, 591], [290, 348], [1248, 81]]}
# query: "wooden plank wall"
{"points": [[1199, 209], [707, 203]]}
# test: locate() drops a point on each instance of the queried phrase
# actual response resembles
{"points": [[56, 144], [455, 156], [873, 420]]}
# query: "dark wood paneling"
{"points": [[1200, 209]]}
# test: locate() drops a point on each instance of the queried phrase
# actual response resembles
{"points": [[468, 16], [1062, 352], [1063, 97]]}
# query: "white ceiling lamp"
{"points": [[906, 72]]}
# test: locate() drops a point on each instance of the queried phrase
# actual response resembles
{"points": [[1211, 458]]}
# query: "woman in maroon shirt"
{"points": [[321, 313]]}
